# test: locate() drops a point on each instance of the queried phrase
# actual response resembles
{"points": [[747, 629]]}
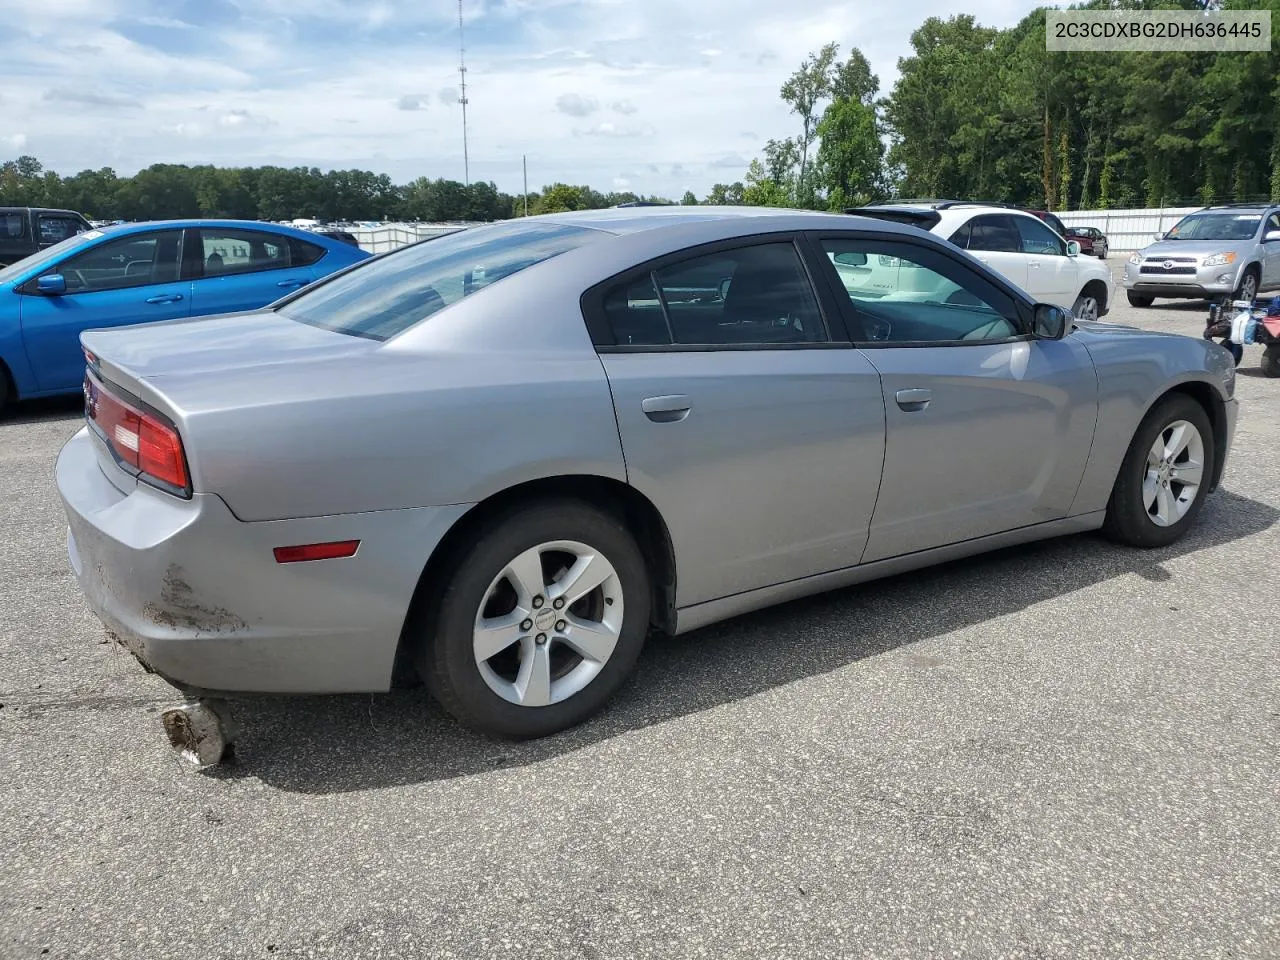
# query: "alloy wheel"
{"points": [[548, 623], [1175, 471]]}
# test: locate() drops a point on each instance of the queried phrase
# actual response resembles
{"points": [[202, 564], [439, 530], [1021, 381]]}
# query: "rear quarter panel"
{"points": [[1135, 369]]}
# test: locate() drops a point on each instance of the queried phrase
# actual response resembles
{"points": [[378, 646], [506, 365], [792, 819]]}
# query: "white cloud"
{"points": [[330, 75], [16, 140], [576, 105], [621, 183], [413, 101]]}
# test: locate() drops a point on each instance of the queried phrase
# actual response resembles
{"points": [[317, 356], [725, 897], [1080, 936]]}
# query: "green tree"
{"points": [[802, 92], [689, 200], [850, 159]]}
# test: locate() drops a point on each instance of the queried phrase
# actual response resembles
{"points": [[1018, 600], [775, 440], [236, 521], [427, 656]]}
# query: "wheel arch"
{"points": [[1098, 290], [636, 511]]}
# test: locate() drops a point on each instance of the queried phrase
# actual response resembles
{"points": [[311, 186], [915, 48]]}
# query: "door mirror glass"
{"points": [[1050, 322], [1073, 248], [52, 285], [1157, 237], [851, 259], [1271, 236]]}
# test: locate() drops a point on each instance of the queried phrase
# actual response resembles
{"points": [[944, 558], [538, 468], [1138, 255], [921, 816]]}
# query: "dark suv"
{"points": [[24, 230]]}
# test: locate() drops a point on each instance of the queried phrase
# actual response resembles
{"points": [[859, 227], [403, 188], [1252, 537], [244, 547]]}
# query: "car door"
{"points": [[1052, 276], [993, 238], [987, 429], [242, 269], [758, 439], [129, 279], [1271, 253]]}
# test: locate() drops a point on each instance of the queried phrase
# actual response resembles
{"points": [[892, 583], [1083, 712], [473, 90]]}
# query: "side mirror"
{"points": [[1073, 248], [1050, 322], [1271, 236], [52, 285], [1157, 237]]}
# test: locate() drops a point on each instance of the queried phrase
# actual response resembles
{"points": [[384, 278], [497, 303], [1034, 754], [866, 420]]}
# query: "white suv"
{"points": [[1016, 244]]}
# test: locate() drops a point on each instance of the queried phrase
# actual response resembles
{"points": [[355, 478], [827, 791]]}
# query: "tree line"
{"points": [[976, 113]]}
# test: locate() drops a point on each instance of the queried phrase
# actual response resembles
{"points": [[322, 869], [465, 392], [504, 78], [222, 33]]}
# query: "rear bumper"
{"points": [[197, 596]]}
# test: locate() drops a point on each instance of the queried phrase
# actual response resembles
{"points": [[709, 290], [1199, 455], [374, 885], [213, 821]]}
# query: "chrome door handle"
{"points": [[669, 409], [914, 399], [165, 298]]}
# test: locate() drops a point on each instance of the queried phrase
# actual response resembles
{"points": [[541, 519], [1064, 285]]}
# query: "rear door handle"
{"points": [[165, 298], [291, 283], [914, 399], [669, 409]]}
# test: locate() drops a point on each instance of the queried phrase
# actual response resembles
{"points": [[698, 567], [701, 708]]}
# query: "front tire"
{"points": [[1086, 307], [1271, 360], [1248, 288], [541, 622], [1165, 475], [1138, 300]]}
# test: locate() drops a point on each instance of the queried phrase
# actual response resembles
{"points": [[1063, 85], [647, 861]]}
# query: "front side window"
{"points": [[758, 294], [132, 261], [242, 251], [55, 229], [386, 296], [903, 293], [1037, 238], [1215, 226], [1273, 223], [994, 233]]}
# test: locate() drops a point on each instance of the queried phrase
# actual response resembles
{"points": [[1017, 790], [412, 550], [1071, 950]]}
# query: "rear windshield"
{"points": [[1215, 226], [386, 296]]}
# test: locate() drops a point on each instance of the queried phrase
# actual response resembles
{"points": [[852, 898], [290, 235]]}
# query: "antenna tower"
{"points": [[462, 73]]}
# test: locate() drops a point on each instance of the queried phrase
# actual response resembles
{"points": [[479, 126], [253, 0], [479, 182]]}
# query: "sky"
{"points": [[654, 96]]}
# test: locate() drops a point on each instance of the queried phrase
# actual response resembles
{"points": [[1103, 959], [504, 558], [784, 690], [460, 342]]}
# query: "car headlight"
{"points": [[1135, 258], [1219, 260]]}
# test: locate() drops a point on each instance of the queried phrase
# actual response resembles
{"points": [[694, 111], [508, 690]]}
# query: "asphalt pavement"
{"points": [[1059, 751]]}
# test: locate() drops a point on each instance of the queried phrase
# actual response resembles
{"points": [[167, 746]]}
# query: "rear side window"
{"points": [[759, 294], [12, 226], [386, 296], [995, 233], [242, 251], [304, 253]]}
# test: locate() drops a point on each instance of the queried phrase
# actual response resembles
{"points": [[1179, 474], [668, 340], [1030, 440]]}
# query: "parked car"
{"points": [[26, 230], [142, 272], [341, 236], [1231, 250], [1092, 240], [644, 418], [1017, 244], [1058, 226]]}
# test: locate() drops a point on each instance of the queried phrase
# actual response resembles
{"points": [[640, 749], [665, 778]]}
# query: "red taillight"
{"points": [[138, 438], [316, 551]]}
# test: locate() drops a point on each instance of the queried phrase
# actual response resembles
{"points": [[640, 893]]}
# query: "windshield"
{"points": [[47, 254], [1215, 226], [387, 296]]}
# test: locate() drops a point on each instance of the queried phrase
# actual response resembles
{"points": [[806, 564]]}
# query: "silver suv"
{"points": [[1231, 250]]}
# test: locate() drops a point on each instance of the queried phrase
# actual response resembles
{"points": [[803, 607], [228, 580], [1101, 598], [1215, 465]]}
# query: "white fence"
{"points": [[391, 236], [1127, 230]]}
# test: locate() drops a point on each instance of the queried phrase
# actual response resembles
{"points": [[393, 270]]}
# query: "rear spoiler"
{"points": [[911, 216]]}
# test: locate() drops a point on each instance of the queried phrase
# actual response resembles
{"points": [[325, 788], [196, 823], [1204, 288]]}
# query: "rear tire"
{"points": [[1271, 360], [1154, 501], [542, 677], [6, 391], [1137, 300]]}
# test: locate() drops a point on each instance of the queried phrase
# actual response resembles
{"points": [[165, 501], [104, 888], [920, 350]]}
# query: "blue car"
{"points": [[141, 272]]}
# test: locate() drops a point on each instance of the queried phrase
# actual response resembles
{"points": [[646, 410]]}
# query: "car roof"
{"points": [[624, 220], [1258, 208], [124, 229], [58, 210]]}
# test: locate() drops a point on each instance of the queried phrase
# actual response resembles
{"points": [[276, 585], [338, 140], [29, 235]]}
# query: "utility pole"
{"points": [[462, 73], [524, 164]]}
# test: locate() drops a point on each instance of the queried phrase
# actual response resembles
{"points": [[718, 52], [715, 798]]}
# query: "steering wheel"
{"points": [[878, 329]]}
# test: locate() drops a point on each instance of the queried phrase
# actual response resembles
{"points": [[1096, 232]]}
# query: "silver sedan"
{"points": [[499, 459]]}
